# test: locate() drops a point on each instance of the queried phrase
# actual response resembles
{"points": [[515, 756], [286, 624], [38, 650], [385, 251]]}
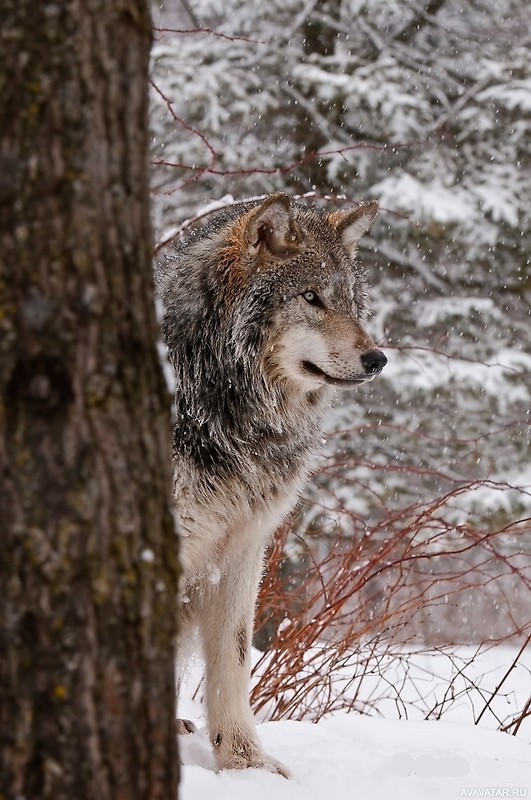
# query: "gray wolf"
{"points": [[264, 312]]}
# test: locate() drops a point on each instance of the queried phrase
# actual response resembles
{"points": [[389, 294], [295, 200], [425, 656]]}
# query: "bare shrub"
{"points": [[342, 610]]}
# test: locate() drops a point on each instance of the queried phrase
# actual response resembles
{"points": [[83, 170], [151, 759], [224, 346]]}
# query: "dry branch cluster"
{"points": [[337, 612]]}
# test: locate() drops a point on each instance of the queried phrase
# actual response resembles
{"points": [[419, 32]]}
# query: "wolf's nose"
{"points": [[373, 361]]}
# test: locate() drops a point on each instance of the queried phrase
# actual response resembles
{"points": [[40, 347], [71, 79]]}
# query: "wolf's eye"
{"points": [[312, 298]]}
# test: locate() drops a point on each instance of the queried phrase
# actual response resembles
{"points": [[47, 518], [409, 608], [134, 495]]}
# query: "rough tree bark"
{"points": [[88, 562]]}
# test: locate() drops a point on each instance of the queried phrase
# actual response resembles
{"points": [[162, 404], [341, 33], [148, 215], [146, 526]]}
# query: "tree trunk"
{"points": [[88, 561]]}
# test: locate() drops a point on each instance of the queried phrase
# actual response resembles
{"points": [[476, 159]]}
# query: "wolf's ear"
{"points": [[271, 225], [352, 223]]}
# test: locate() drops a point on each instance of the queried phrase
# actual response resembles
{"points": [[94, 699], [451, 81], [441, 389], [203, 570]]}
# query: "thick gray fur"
{"points": [[264, 311]]}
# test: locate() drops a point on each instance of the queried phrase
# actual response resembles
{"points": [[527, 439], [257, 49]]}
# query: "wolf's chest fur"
{"points": [[217, 509]]}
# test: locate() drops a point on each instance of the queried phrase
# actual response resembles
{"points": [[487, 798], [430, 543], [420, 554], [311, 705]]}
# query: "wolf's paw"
{"points": [[271, 765], [185, 726], [245, 754]]}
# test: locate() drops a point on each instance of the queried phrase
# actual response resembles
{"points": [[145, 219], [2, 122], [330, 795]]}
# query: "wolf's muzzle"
{"points": [[373, 362]]}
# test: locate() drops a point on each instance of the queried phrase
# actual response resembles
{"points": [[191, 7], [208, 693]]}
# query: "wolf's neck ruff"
{"points": [[241, 418], [264, 319]]}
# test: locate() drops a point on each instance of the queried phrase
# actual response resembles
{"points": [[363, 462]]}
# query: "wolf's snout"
{"points": [[373, 361]]}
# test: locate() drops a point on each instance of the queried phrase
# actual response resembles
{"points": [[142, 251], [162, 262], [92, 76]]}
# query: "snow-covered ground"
{"points": [[350, 756], [356, 756]]}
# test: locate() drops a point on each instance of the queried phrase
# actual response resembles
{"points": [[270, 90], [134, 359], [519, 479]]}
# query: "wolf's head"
{"points": [[295, 264]]}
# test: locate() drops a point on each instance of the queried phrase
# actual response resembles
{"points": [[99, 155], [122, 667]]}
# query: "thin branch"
{"points": [[210, 32], [500, 684]]}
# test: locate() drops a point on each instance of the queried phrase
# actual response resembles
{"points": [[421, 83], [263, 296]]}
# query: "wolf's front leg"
{"points": [[226, 623]]}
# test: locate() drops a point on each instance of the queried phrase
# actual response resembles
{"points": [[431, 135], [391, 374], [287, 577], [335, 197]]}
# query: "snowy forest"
{"points": [[399, 588], [415, 534]]}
